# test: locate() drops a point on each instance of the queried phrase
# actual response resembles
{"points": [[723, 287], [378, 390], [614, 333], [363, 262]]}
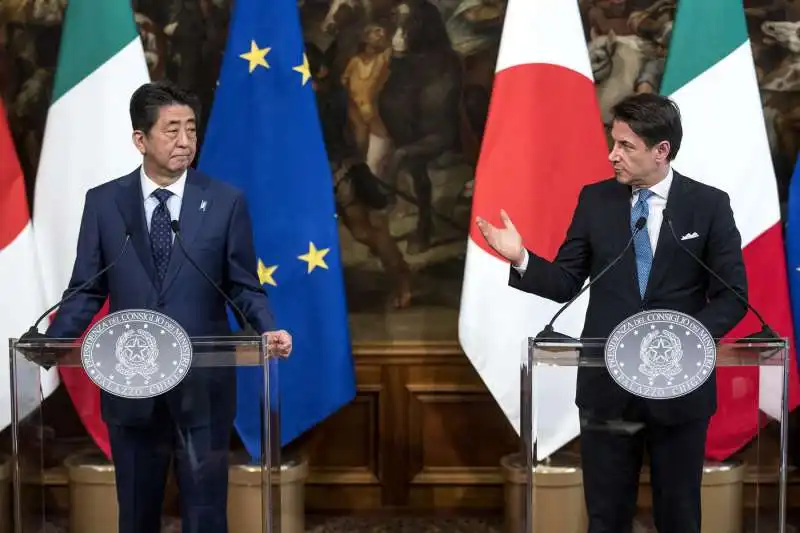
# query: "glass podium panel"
{"points": [[63, 486], [744, 474]]}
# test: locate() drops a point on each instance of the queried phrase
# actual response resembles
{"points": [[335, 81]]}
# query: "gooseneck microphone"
{"points": [[766, 333], [243, 322], [48, 358], [548, 333], [33, 332]]}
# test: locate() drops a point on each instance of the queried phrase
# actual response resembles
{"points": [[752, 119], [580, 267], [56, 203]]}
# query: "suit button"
{"points": [[160, 304]]}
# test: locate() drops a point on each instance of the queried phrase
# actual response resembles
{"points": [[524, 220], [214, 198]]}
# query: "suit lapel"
{"points": [[620, 231], [191, 220], [679, 205], [131, 207]]}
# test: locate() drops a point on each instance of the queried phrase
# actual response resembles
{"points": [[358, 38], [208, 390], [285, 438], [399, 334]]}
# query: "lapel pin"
{"points": [[203, 206]]}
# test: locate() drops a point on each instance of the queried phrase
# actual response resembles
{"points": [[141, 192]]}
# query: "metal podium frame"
{"points": [[208, 352], [561, 352]]}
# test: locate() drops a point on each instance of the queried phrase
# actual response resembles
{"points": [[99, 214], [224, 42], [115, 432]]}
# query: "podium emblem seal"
{"points": [[660, 354], [136, 353]]}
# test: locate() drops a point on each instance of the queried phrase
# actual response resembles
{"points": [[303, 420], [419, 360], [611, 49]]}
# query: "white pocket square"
{"points": [[688, 236]]}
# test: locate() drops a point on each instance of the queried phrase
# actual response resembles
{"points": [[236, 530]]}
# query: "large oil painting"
{"points": [[413, 79]]}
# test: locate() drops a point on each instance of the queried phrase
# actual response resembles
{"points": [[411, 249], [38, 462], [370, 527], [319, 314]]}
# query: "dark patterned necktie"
{"points": [[161, 233]]}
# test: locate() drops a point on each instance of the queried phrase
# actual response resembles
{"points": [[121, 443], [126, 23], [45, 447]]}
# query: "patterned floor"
{"points": [[334, 524], [403, 525], [463, 525]]}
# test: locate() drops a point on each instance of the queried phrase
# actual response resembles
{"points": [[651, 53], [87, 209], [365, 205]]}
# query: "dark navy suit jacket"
{"points": [[218, 238], [599, 230]]}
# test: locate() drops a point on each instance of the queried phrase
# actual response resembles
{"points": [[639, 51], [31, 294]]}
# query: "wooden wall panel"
{"points": [[422, 434], [425, 435]]}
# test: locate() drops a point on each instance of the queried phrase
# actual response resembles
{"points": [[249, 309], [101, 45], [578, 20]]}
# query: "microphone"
{"points": [[33, 332], [766, 333], [548, 333], [33, 335], [243, 322]]}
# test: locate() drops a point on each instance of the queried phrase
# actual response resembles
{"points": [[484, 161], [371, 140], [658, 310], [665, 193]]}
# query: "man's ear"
{"points": [[138, 141], [662, 150]]}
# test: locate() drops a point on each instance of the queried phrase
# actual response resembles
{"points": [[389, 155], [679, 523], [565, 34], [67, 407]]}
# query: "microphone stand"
{"points": [[549, 333]]}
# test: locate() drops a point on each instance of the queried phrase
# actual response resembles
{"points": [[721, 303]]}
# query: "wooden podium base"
{"points": [[723, 486], [558, 498], [722, 496], [245, 497], [560, 507], [92, 493], [93, 496]]}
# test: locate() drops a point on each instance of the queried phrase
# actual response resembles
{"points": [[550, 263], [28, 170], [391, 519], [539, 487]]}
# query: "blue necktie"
{"points": [[161, 233], [641, 243]]}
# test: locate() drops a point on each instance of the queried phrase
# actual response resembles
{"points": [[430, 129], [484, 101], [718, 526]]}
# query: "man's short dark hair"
{"points": [[150, 97], [652, 117]]}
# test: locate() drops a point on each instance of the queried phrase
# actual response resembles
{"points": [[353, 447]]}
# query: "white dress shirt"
{"points": [[150, 201], [655, 205]]}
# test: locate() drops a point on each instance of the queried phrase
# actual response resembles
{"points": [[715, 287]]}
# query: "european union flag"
{"points": [[264, 137], [793, 244]]}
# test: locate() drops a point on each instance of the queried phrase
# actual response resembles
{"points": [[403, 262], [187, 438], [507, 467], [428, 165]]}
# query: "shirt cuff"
{"points": [[524, 266]]}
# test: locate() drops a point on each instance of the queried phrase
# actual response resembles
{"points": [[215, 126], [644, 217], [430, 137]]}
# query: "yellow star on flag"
{"points": [[314, 257], [304, 69], [265, 273], [256, 56]]}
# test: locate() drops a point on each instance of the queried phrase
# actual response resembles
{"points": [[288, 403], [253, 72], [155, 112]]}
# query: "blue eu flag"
{"points": [[264, 137], [793, 244]]}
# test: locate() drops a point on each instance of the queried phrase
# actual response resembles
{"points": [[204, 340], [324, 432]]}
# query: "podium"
{"points": [[737, 495], [93, 504]]}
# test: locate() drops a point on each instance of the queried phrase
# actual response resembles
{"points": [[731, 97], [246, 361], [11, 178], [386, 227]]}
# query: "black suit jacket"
{"points": [[599, 231]]}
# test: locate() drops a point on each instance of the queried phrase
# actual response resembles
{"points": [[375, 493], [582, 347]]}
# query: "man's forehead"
{"points": [[176, 113], [622, 132]]}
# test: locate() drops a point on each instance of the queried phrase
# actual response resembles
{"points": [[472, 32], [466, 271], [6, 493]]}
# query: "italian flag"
{"points": [[544, 141], [87, 141], [711, 76], [19, 280]]}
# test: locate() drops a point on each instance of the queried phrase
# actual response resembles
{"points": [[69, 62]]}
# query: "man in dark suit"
{"points": [[654, 274], [194, 420]]}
